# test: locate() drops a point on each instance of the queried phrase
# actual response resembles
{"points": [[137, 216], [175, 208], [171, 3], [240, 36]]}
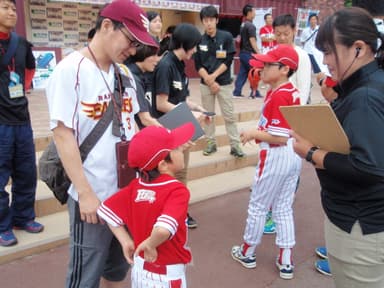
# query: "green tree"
{"points": [[348, 3]]}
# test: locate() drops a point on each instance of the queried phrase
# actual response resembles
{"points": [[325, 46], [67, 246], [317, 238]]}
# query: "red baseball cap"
{"points": [[152, 144], [133, 18], [284, 54]]}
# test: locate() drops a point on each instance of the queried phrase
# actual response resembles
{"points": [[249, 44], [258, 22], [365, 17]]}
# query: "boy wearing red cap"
{"points": [[279, 167], [79, 91], [154, 209]]}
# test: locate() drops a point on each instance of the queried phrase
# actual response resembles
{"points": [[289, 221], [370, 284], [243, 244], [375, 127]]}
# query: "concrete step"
{"points": [[55, 233], [57, 225]]}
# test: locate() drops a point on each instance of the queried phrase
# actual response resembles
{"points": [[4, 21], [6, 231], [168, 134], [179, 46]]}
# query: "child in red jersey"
{"points": [[279, 167], [153, 208]]}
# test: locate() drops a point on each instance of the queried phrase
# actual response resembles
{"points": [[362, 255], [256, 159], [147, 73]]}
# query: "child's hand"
{"points": [[129, 250], [150, 253], [246, 136]]}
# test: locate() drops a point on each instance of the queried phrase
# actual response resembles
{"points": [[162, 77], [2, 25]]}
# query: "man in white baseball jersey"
{"points": [[154, 209], [279, 167], [79, 91]]}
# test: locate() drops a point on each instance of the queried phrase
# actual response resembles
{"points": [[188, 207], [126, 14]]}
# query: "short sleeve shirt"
{"points": [[214, 51], [141, 206], [14, 111], [271, 120], [247, 30], [170, 79]]}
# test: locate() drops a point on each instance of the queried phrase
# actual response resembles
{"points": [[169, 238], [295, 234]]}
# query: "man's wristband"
{"points": [[310, 155]]}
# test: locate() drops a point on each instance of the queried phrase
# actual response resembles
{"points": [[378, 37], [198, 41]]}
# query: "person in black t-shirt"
{"points": [[17, 153], [248, 46], [171, 83], [142, 65]]}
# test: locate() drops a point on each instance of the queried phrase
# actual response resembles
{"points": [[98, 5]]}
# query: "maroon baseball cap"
{"points": [[284, 54], [152, 144], [133, 18]]}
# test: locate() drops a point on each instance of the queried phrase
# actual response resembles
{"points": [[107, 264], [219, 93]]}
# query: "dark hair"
{"points": [[246, 9], [266, 15], [347, 26], [313, 15], [209, 12], [185, 36], [152, 15], [142, 53], [375, 7], [91, 33], [164, 43], [154, 173], [284, 20]]}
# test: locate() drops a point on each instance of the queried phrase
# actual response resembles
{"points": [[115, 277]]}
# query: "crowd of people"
{"points": [[132, 70]]}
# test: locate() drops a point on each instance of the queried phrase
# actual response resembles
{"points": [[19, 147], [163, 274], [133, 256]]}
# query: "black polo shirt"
{"points": [[214, 51], [247, 30], [143, 91], [352, 186], [170, 79], [15, 111]]}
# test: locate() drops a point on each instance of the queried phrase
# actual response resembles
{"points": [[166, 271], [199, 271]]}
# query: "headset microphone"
{"points": [[357, 51]]}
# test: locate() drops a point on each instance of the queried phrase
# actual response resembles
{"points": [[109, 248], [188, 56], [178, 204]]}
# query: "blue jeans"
{"points": [[243, 72], [315, 67], [18, 162]]}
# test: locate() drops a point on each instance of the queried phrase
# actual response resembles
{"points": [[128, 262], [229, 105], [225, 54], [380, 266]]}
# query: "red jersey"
{"points": [[271, 119], [141, 206], [267, 31]]}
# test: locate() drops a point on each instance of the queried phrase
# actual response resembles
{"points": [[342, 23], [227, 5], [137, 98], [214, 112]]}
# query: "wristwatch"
{"points": [[310, 154]]}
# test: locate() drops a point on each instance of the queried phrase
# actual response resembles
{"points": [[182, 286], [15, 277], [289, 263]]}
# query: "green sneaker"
{"points": [[237, 152], [210, 149]]}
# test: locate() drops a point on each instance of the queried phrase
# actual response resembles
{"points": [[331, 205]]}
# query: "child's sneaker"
{"points": [[247, 262], [7, 238], [31, 227], [323, 267], [269, 227], [286, 270], [321, 251]]}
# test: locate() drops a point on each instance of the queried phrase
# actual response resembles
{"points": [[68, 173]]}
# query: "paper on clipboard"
{"points": [[318, 124], [180, 115]]}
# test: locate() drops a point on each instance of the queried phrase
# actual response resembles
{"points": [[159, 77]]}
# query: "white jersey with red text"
{"points": [[141, 206], [276, 175], [79, 100]]}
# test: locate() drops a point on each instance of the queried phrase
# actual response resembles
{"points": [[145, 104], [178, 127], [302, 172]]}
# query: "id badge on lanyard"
{"points": [[15, 88]]}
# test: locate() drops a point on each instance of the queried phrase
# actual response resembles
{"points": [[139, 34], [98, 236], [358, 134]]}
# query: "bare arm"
{"points": [[262, 136], [163, 104], [147, 119], [125, 240], [68, 150], [158, 236], [253, 42]]}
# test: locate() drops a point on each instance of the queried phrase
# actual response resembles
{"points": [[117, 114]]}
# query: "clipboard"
{"points": [[179, 115], [319, 124]]}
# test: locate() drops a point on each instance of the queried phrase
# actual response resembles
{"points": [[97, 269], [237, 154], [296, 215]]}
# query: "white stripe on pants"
{"points": [[274, 185], [141, 278]]}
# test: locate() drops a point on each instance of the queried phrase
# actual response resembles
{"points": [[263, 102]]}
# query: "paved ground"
{"points": [[221, 223]]}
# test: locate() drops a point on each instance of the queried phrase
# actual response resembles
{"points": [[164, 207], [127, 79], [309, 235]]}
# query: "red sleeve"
{"points": [[277, 125], [115, 209], [29, 73]]}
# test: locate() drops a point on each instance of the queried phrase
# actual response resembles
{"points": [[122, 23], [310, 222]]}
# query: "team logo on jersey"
{"points": [[96, 110], [203, 48], [275, 122], [144, 195], [177, 85]]}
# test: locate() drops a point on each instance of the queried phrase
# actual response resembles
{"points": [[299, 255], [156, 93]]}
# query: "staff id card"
{"points": [[15, 88]]}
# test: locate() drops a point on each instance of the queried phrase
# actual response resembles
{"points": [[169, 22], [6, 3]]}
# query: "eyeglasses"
{"points": [[133, 43]]}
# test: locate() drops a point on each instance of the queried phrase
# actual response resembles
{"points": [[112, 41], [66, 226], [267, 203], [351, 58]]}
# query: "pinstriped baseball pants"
{"points": [[274, 186]]}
